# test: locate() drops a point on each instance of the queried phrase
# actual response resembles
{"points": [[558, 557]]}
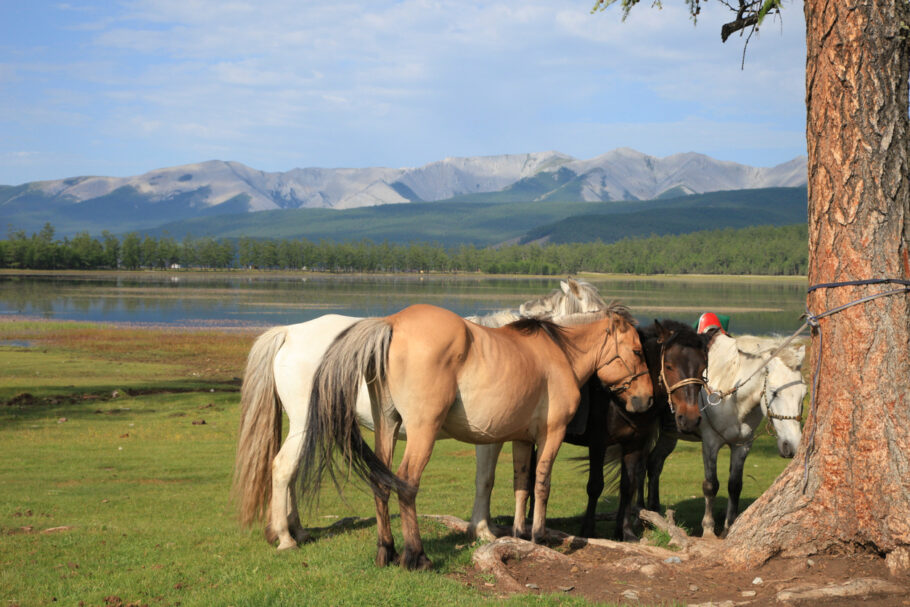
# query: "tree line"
{"points": [[755, 250]]}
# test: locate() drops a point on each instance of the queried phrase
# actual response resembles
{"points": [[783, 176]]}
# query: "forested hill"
{"points": [[735, 209], [485, 224]]}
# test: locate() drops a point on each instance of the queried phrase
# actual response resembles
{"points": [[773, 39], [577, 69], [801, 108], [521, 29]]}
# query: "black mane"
{"points": [[531, 326]]}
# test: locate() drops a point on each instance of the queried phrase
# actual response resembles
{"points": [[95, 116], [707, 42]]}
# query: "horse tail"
{"points": [[260, 428], [359, 353]]}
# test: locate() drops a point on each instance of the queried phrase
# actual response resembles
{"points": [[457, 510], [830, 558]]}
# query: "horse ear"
{"points": [[800, 354], [565, 286], [709, 336], [661, 332]]}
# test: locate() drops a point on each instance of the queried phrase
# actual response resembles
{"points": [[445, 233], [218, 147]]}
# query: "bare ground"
{"points": [[622, 573]]}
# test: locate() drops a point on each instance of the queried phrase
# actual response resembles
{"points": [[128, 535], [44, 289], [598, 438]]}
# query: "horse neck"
{"points": [[591, 346], [729, 368]]}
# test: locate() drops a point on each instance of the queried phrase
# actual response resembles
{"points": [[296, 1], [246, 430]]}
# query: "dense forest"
{"points": [[780, 250]]}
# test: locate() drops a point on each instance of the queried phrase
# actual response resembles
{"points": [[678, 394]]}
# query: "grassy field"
{"points": [[114, 492]]}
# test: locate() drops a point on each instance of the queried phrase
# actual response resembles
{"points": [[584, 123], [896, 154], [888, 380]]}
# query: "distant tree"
{"points": [[111, 249], [131, 256], [86, 252]]}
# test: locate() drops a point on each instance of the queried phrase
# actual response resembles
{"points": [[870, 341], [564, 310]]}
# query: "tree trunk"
{"points": [[849, 485]]}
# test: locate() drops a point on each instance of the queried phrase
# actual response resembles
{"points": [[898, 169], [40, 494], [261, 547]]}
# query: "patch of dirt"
{"points": [[632, 574], [601, 574]]}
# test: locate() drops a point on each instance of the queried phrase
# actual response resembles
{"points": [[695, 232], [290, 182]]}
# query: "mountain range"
{"points": [[217, 187]]}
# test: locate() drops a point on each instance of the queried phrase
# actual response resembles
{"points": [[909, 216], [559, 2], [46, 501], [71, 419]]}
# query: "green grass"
{"points": [[139, 493]]}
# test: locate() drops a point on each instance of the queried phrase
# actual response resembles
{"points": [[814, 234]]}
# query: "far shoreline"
{"points": [[202, 274]]}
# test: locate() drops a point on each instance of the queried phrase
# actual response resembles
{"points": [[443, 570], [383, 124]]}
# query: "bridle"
{"points": [[632, 375], [767, 401], [683, 382]]}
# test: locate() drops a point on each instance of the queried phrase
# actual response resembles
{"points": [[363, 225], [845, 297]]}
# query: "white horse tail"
{"points": [[260, 428], [359, 353]]}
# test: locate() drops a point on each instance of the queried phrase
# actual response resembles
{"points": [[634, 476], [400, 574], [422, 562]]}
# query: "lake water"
{"points": [[756, 305]]}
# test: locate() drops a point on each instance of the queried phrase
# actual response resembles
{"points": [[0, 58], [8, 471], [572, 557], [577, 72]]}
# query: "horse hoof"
{"points": [[521, 534], [709, 533], [301, 535], [385, 556], [415, 562], [486, 533], [287, 544]]}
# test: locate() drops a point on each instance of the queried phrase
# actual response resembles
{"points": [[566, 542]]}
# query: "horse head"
{"points": [[624, 368], [682, 365], [573, 297], [782, 404]]}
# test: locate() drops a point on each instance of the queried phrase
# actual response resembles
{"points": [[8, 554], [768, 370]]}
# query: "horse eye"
{"points": [[637, 352]]}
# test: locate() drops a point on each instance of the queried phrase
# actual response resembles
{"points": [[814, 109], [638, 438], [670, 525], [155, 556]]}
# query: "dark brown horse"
{"points": [[677, 358]]}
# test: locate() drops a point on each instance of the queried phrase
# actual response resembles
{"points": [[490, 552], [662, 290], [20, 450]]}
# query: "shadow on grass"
{"points": [[443, 549], [95, 401]]}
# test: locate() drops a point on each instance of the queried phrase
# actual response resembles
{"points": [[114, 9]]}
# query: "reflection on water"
{"points": [[755, 305]]}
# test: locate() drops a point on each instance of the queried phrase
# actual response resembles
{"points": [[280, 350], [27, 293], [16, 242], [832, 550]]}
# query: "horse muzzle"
{"points": [[687, 424], [786, 449], [638, 404]]}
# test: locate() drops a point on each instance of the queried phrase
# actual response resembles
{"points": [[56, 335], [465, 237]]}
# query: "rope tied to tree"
{"points": [[812, 320]]}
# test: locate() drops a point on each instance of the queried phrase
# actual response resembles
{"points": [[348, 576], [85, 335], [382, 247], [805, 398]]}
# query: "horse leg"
{"points": [[295, 527], [481, 524], [521, 468], [595, 488], [632, 470], [546, 455], [665, 445], [386, 434], [738, 455], [415, 458], [284, 469], [709, 449]]}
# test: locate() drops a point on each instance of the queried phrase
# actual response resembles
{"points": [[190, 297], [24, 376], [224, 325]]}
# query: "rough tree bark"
{"points": [[856, 494]]}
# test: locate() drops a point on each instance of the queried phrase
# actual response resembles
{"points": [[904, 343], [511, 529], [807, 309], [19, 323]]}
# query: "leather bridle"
{"points": [[632, 375], [666, 384]]}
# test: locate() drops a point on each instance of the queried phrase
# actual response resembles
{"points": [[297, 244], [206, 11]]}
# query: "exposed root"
{"points": [[452, 522], [858, 588], [678, 536], [493, 556]]}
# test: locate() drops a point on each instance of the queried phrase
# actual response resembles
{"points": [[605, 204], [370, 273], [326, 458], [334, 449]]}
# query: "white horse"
{"points": [[279, 374], [744, 385]]}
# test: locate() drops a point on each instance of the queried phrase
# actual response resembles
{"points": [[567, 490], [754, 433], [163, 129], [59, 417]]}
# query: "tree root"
{"points": [[858, 588], [493, 556], [678, 536]]}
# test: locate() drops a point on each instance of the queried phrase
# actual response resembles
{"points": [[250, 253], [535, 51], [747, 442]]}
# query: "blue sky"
{"points": [[122, 87]]}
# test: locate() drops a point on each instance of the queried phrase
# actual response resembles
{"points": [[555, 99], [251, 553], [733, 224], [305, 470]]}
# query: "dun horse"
{"points": [[431, 371], [676, 357]]}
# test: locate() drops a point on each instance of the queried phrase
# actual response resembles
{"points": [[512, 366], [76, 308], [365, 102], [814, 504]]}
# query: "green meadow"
{"points": [[117, 451]]}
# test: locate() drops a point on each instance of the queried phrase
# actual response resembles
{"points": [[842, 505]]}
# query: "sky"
{"points": [[121, 87]]}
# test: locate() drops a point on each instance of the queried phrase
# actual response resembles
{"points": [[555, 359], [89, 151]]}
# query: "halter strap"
{"points": [[632, 375], [774, 393], [683, 382]]}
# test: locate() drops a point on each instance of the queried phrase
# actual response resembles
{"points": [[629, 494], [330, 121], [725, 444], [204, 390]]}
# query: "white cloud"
{"points": [[288, 83]]}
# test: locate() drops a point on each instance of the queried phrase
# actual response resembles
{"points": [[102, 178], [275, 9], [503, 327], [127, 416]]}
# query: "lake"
{"points": [[756, 305]]}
